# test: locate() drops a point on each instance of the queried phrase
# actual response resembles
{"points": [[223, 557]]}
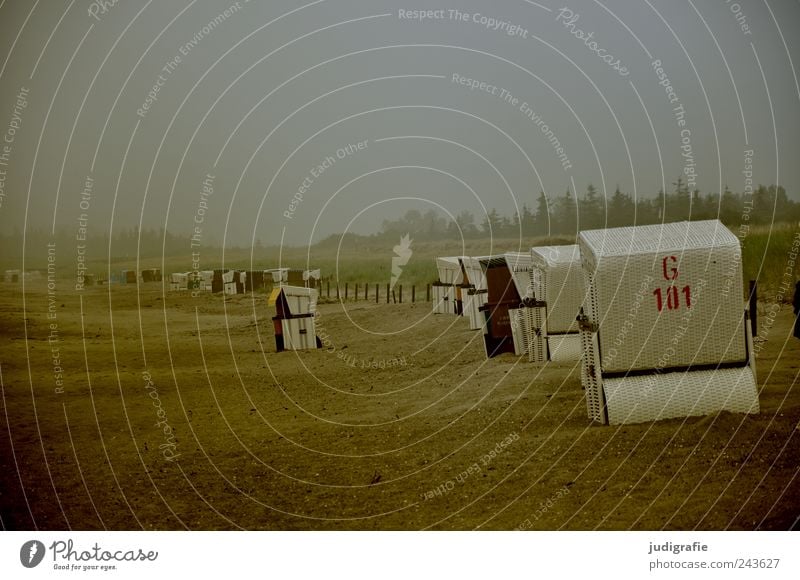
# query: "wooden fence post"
{"points": [[377, 293], [329, 288], [346, 284], [413, 293], [387, 294], [401, 293], [427, 293]]}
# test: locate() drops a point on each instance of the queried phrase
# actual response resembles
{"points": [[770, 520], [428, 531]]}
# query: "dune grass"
{"points": [[769, 255]]}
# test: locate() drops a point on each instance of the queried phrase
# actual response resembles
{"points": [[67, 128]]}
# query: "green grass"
{"points": [[767, 258], [356, 262], [766, 255]]}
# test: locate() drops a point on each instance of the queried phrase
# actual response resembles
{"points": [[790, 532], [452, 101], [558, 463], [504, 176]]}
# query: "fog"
{"points": [[290, 122]]}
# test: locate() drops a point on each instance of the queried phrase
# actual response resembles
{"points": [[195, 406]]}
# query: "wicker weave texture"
{"points": [[544, 256], [472, 304], [680, 394], [591, 378], [557, 278], [656, 239], [534, 326], [565, 347], [520, 265], [449, 269], [475, 273], [519, 330], [698, 289]]}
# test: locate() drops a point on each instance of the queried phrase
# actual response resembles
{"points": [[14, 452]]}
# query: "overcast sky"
{"points": [[253, 97]]}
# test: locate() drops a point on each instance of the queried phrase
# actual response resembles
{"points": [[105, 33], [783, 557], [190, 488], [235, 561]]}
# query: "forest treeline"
{"points": [[568, 213], [546, 215]]}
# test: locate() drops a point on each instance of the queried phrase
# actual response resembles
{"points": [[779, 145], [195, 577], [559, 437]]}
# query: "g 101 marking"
{"points": [[670, 271], [673, 301]]}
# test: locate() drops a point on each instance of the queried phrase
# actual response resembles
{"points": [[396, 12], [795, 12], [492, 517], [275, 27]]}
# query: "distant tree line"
{"points": [[554, 215], [568, 213]]}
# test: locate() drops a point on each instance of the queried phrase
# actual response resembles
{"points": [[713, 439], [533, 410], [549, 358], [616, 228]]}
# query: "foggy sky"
{"points": [[265, 93]]}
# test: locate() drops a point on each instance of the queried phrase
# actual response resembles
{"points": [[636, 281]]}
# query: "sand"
{"points": [[176, 413]]}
